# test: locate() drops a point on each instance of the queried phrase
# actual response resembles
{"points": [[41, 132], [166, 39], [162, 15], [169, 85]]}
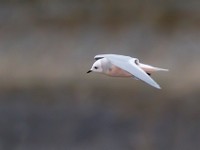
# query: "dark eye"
{"points": [[95, 67]]}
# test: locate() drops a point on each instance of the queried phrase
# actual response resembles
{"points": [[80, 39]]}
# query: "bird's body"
{"points": [[111, 70], [124, 66], [117, 72]]}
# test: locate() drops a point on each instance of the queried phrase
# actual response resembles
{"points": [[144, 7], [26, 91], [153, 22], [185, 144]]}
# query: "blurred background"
{"points": [[48, 102]]}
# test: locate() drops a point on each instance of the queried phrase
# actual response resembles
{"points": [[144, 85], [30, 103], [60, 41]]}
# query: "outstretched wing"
{"points": [[128, 64], [119, 57]]}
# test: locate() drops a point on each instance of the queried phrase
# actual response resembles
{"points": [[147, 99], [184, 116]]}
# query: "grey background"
{"points": [[48, 102]]}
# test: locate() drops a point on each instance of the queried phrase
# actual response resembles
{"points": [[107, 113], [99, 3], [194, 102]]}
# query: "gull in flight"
{"points": [[124, 66]]}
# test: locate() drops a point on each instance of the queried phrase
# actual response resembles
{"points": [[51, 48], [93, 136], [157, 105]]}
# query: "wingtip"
{"points": [[157, 86], [96, 57]]}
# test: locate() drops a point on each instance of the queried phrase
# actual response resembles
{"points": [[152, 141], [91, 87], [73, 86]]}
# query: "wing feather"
{"points": [[114, 56]]}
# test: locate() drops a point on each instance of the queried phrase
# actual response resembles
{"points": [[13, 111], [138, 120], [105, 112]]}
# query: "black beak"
{"points": [[89, 71]]}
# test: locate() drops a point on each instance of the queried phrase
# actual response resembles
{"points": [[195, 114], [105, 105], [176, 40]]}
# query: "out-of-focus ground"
{"points": [[48, 102]]}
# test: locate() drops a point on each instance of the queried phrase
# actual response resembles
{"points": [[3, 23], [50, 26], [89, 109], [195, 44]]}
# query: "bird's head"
{"points": [[96, 67]]}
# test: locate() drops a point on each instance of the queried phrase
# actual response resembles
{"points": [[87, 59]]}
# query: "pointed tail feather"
{"points": [[148, 68], [161, 69]]}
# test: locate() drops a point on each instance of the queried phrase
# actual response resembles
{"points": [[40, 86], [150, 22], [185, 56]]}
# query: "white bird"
{"points": [[124, 66]]}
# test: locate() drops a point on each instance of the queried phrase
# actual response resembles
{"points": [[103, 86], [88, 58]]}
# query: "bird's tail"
{"points": [[149, 68], [160, 69]]}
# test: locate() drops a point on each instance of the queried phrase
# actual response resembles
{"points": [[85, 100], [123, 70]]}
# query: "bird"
{"points": [[115, 65]]}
